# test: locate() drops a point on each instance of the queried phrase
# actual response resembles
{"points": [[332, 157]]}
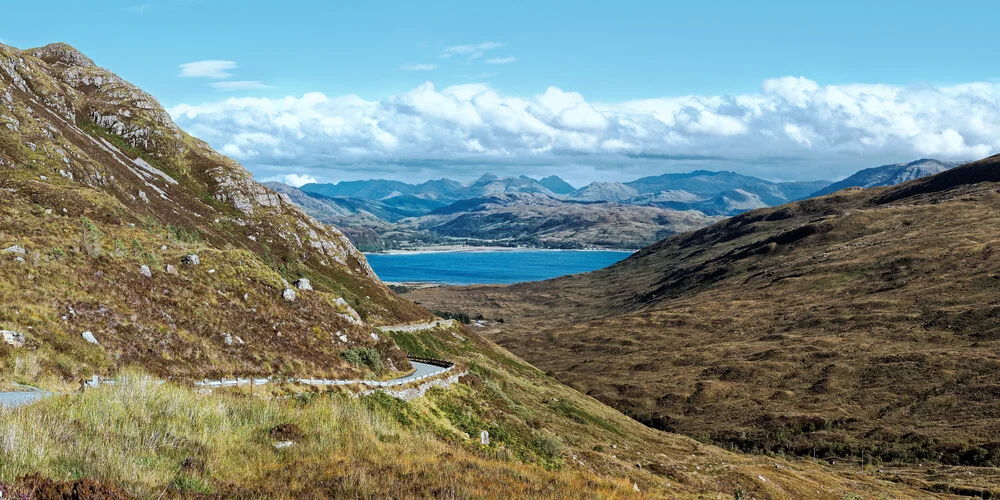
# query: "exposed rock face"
{"points": [[13, 338]]}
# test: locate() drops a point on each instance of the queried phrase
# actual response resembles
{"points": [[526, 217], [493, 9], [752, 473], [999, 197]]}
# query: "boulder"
{"points": [[171, 269], [288, 294], [191, 260], [89, 337], [302, 284], [18, 249], [484, 438], [144, 270], [13, 338]]}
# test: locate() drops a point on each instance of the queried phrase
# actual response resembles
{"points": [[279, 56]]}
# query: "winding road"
{"points": [[14, 399], [421, 371]]}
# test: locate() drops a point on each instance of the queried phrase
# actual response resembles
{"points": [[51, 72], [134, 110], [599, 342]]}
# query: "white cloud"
{"points": [[419, 67], [500, 60], [473, 51], [231, 86], [214, 69], [299, 180], [794, 127]]}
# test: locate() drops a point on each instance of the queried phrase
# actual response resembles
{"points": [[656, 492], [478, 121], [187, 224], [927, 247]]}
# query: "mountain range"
{"points": [[494, 211]]}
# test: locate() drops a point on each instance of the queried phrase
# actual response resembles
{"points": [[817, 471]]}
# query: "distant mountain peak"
{"points": [[890, 175], [555, 184], [487, 177]]}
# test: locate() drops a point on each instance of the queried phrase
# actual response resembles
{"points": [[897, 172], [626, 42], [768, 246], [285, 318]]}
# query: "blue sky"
{"points": [[614, 64]]}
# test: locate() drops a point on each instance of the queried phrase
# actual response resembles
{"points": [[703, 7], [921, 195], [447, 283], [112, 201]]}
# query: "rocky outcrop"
{"points": [[13, 338]]}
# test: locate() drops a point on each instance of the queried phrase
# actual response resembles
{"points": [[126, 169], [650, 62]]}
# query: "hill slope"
{"points": [[864, 320], [104, 197], [539, 220]]}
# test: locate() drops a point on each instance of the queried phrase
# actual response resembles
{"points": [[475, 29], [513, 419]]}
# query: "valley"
{"points": [[856, 322]]}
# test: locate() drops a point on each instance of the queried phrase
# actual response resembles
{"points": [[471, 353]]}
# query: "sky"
{"points": [[591, 91]]}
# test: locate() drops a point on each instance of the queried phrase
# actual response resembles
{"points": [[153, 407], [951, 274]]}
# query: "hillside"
{"points": [[538, 220], [104, 199], [106, 203], [859, 321], [889, 175]]}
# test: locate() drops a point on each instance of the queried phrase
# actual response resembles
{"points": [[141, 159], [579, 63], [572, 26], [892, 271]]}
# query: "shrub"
{"points": [[365, 357]]}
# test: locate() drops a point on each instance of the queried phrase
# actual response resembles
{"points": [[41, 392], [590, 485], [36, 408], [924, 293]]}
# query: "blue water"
{"points": [[466, 268]]}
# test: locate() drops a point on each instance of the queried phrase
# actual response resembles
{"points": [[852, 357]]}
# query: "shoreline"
{"points": [[483, 249]]}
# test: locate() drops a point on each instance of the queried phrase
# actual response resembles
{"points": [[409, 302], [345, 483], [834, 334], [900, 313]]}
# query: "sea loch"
{"points": [[500, 267]]}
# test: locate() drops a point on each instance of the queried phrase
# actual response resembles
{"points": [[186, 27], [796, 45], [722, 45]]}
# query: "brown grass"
{"points": [[874, 329]]}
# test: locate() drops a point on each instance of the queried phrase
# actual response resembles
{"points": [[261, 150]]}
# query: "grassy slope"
{"points": [[861, 321], [546, 440]]}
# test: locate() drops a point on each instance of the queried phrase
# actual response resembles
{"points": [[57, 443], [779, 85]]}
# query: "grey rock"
{"points": [[144, 270], [191, 260], [484, 438], [13, 338], [288, 294], [18, 249], [89, 337], [302, 284], [171, 269]]}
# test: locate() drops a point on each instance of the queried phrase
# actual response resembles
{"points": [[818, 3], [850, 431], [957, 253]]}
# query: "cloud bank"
{"points": [[792, 124]]}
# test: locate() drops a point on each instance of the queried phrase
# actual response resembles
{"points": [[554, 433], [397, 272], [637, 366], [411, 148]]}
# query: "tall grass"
{"points": [[149, 438]]}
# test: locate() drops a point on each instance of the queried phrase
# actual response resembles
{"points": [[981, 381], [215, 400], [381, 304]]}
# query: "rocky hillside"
{"points": [[864, 321], [130, 242], [542, 221]]}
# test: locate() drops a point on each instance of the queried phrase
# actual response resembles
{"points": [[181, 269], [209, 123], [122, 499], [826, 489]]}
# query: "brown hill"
{"points": [[865, 320]]}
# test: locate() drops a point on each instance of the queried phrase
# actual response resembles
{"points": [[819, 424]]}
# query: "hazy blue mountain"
{"points": [[889, 175], [327, 208], [709, 184], [604, 191], [374, 189], [798, 190], [555, 184], [491, 185]]}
